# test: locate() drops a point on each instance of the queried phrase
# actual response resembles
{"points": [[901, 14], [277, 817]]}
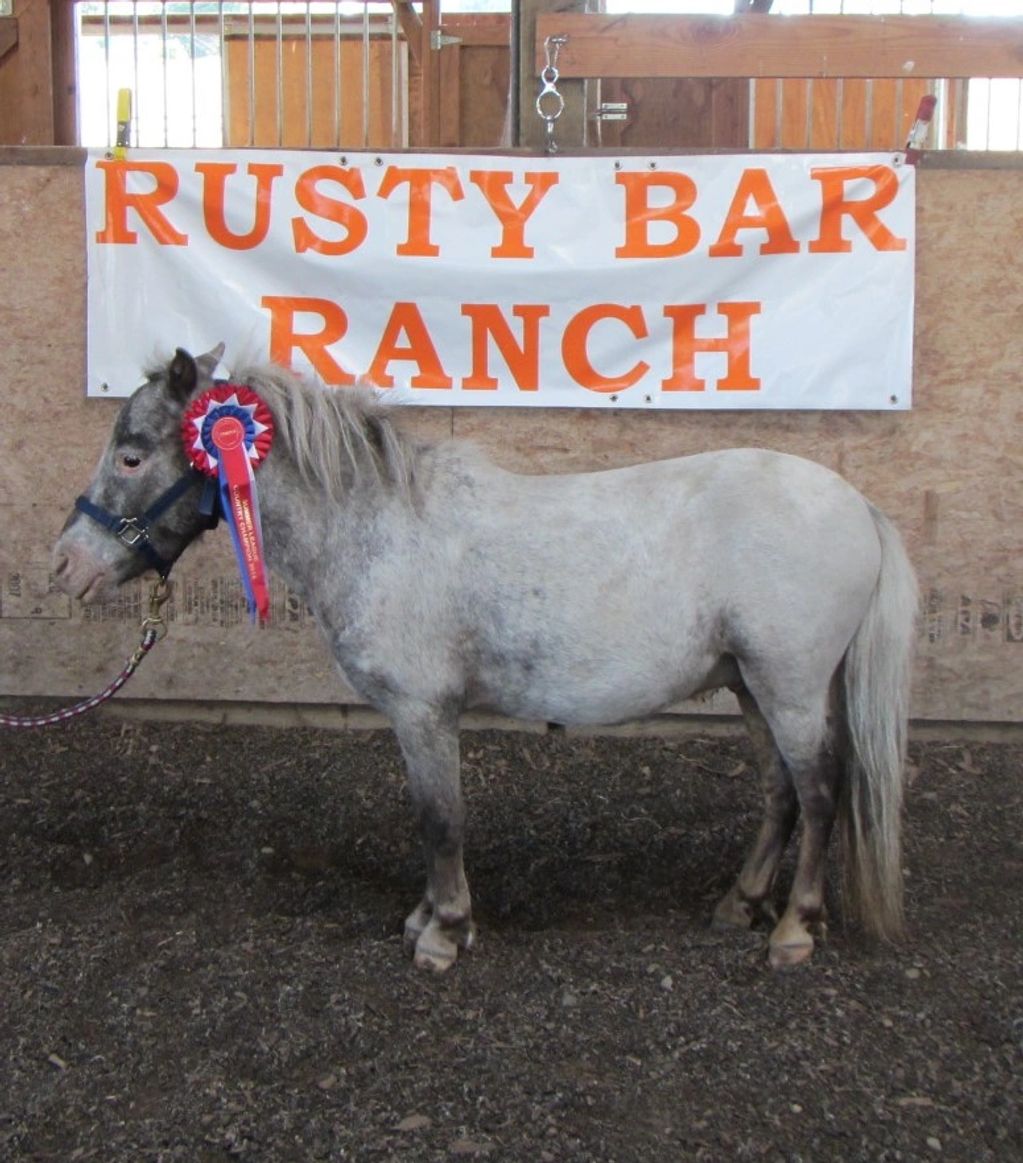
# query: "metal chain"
{"points": [[549, 78], [153, 629]]}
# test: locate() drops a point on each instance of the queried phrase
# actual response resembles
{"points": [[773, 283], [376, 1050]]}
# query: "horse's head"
{"points": [[141, 508]]}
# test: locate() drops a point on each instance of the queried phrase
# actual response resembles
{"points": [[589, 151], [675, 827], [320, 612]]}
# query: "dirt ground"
{"points": [[200, 959]]}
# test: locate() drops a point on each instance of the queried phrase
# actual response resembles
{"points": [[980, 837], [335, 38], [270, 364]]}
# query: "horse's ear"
{"points": [[182, 375], [207, 362]]}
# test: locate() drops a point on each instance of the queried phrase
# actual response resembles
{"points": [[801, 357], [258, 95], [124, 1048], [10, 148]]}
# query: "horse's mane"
{"points": [[335, 437]]}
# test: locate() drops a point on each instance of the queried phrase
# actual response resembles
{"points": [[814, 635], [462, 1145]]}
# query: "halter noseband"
{"points": [[133, 532]]}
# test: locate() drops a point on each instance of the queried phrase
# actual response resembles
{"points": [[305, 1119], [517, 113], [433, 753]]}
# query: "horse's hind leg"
{"points": [[442, 923], [815, 773], [749, 898], [799, 727]]}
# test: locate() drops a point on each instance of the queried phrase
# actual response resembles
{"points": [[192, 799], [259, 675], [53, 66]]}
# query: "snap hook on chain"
{"points": [[550, 104]]}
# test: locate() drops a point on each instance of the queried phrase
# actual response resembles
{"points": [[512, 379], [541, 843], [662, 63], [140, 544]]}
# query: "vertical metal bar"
{"points": [[252, 77], [308, 75], [396, 136], [1019, 114], [868, 114], [106, 68], [990, 130], [280, 74], [191, 61], [337, 73], [136, 102], [365, 73], [225, 112], [166, 87]]}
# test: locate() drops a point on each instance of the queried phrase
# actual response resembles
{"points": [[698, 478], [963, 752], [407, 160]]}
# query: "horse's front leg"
{"points": [[442, 922]]}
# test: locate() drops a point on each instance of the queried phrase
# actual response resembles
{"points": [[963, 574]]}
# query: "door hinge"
{"points": [[438, 39]]}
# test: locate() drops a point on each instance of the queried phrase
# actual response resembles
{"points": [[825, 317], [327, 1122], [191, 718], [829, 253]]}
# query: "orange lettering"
{"points": [[513, 219], [835, 207], [769, 216], [639, 214], [523, 359], [735, 345], [284, 338], [405, 318], [119, 202], [420, 203], [574, 344], [215, 175], [332, 209]]}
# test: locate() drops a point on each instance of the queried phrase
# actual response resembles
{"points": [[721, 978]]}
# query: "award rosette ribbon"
{"points": [[227, 432]]}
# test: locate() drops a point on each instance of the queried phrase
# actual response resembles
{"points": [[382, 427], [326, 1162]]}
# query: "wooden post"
{"points": [[65, 81], [570, 129], [26, 79], [8, 35]]}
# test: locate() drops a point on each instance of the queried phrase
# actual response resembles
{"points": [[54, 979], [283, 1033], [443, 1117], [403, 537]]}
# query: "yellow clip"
{"points": [[123, 123]]}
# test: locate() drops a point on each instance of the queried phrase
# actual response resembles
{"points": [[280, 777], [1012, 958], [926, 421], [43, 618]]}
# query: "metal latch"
{"points": [[612, 111]]}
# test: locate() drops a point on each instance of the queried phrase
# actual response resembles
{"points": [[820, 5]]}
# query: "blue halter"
{"points": [[133, 532]]}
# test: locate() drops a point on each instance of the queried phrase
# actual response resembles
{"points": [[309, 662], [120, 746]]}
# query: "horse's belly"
{"points": [[594, 694]]}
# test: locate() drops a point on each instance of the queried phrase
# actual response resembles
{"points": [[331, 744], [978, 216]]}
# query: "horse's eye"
{"points": [[130, 460]]}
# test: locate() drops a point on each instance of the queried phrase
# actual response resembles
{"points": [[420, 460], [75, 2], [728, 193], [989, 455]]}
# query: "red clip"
{"points": [[915, 141]]}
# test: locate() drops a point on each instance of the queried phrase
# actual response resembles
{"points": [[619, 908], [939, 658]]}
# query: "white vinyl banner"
{"points": [[718, 281]]}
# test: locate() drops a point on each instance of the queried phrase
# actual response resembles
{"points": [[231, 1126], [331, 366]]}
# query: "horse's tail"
{"points": [[876, 699]]}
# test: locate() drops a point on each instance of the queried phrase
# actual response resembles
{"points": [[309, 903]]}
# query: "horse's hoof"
{"points": [[436, 948], [435, 960], [732, 913], [408, 941], [735, 912], [789, 956], [415, 926]]}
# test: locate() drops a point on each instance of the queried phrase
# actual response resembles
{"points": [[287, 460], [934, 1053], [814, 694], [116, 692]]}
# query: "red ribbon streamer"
{"points": [[238, 491]]}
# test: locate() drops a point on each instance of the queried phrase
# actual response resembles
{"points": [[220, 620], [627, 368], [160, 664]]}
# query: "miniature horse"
{"points": [[442, 582]]}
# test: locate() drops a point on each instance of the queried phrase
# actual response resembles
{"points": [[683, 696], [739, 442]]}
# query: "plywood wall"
{"points": [[948, 472]]}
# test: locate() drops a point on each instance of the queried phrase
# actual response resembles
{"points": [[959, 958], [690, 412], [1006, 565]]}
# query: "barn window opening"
{"points": [[208, 74], [349, 73]]}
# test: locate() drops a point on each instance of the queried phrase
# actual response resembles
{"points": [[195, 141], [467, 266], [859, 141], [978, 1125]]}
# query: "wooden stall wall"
{"points": [[269, 102], [948, 472]]}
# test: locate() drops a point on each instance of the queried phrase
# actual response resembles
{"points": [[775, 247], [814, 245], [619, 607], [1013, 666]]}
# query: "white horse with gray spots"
{"points": [[442, 582]]}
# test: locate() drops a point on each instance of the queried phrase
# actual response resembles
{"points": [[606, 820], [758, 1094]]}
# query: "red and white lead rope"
{"points": [[153, 629]]}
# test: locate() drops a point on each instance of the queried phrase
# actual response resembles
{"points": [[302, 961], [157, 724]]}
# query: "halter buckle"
{"points": [[132, 534]]}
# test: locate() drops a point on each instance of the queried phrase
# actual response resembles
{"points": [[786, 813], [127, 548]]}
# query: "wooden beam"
{"points": [[449, 92], [8, 34], [478, 29], [782, 46], [411, 26]]}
